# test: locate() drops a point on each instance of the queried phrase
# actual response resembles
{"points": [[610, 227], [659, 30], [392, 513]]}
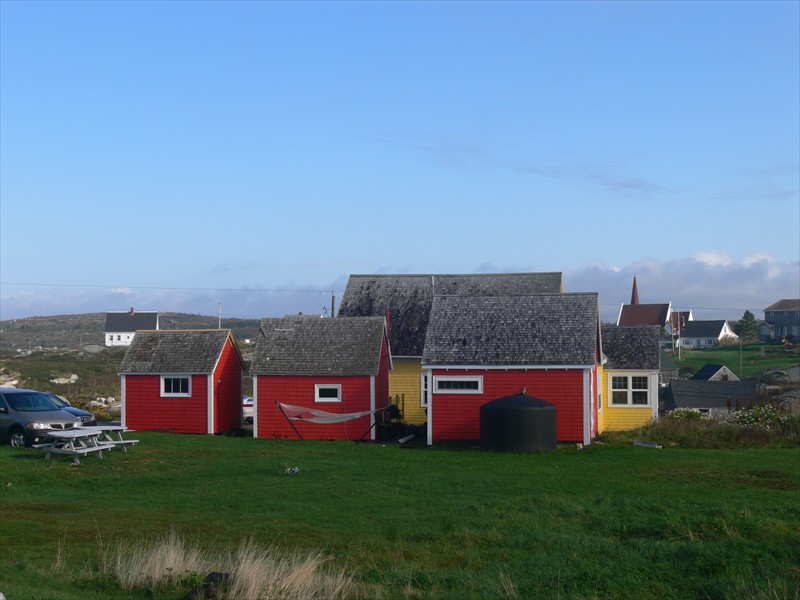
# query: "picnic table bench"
{"points": [[84, 440]]}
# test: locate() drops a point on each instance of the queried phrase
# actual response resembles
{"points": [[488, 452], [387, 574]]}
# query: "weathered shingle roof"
{"points": [[643, 314], [632, 347], [174, 351], [314, 346], [702, 329], [408, 298], [710, 394], [546, 329], [126, 322], [785, 304]]}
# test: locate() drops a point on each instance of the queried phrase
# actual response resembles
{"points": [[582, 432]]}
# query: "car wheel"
{"points": [[16, 438]]}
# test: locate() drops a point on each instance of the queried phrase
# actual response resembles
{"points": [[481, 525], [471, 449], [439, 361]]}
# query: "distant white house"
{"points": [[706, 334], [121, 326]]}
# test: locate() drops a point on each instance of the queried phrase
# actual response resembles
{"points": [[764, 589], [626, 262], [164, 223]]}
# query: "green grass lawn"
{"points": [[755, 358], [608, 521]]}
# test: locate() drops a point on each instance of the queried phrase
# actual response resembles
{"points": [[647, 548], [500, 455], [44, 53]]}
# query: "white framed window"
{"points": [[629, 390], [423, 390], [327, 392], [176, 385], [458, 384]]}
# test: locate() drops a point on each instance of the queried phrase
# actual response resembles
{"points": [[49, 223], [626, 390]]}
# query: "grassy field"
{"points": [[755, 358], [607, 521]]}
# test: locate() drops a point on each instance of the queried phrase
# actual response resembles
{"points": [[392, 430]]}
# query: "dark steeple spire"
{"points": [[634, 292]]}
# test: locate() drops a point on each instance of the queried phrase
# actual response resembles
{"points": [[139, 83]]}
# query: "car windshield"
{"points": [[56, 400], [30, 402]]}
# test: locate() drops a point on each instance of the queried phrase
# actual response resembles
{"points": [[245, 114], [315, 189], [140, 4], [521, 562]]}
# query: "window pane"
{"points": [[640, 398], [619, 383], [619, 397], [329, 393], [639, 383], [184, 383], [458, 384]]}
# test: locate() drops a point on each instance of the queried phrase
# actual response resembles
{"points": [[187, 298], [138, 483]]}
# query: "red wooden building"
{"points": [[337, 367], [479, 349], [183, 381]]}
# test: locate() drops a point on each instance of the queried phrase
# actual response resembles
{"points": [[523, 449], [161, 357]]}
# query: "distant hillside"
{"points": [[72, 331]]}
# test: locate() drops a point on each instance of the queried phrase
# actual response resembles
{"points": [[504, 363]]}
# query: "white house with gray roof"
{"points": [[121, 326]]}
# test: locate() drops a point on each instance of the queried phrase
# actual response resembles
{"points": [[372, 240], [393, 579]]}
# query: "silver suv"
{"points": [[27, 415]]}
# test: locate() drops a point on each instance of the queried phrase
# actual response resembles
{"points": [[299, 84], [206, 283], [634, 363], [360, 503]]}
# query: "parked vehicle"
{"points": [[247, 409], [27, 415], [87, 419]]}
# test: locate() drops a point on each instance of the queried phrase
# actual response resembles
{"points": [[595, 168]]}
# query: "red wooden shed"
{"points": [[187, 381], [329, 369], [479, 349]]}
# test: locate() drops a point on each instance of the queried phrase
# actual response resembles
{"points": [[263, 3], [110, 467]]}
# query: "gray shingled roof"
{"points": [[702, 329], [174, 351], [125, 322], [315, 346], [546, 329], [408, 298], [632, 347], [710, 394], [785, 304]]}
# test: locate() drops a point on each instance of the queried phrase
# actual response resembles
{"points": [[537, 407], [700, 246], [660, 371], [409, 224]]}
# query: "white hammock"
{"points": [[313, 415]]}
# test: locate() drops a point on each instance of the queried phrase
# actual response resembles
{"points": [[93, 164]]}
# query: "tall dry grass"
{"points": [[255, 573]]}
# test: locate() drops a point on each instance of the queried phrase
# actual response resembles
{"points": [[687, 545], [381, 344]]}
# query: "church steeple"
{"points": [[634, 292]]}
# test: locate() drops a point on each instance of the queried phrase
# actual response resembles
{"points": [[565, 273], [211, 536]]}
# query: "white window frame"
{"points": [[423, 390], [437, 379], [328, 386], [629, 390], [165, 394]]}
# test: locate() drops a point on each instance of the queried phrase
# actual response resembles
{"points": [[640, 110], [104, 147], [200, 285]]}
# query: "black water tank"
{"points": [[519, 423]]}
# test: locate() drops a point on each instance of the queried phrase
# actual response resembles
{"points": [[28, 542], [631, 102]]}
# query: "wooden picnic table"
{"points": [[106, 436], [84, 440]]}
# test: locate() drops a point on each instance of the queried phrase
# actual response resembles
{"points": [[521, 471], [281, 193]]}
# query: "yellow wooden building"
{"points": [[629, 389]]}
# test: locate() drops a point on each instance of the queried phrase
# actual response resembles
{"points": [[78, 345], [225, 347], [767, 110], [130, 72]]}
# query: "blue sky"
{"points": [[172, 155]]}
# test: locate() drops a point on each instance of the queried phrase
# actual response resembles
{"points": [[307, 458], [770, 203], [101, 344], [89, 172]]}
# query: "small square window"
{"points": [[327, 392], [176, 386]]}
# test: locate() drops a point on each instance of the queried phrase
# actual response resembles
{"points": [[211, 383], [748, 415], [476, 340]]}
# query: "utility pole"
{"points": [[219, 319], [333, 304]]}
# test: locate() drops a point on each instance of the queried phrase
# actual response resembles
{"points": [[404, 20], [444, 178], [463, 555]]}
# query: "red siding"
{"points": [[299, 391], [145, 409], [382, 378], [228, 393], [457, 416]]}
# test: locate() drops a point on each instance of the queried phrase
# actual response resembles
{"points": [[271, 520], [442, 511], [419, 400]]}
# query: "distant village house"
{"points": [[121, 326]]}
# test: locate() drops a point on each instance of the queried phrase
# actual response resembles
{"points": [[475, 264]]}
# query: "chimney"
{"points": [[131, 311]]}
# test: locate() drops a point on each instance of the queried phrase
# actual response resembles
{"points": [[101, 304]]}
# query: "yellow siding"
{"points": [[621, 418], [404, 379], [617, 419]]}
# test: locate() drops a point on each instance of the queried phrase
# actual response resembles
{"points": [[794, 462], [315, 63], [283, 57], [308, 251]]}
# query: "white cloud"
{"points": [[122, 290], [713, 258], [714, 288]]}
